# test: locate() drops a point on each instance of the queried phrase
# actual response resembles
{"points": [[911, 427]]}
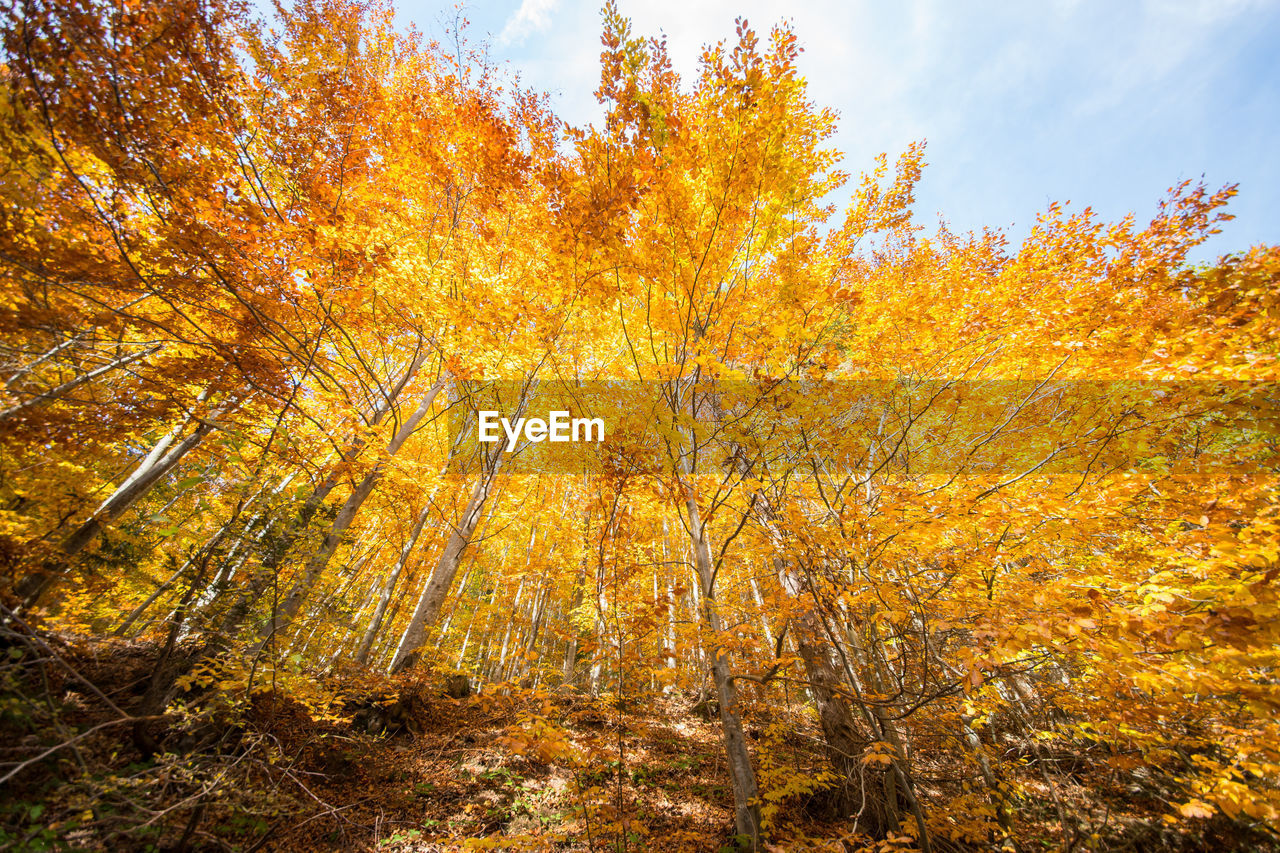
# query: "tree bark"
{"points": [[320, 559], [882, 792], [866, 793], [150, 471], [72, 384], [237, 613], [380, 610], [433, 594], [745, 793]]}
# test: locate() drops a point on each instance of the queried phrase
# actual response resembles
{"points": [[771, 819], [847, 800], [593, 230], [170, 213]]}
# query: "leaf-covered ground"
{"points": [[360, 762]]}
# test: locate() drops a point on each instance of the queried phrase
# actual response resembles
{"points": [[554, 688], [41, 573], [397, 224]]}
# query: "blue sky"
{"points": [[1101, 103]]}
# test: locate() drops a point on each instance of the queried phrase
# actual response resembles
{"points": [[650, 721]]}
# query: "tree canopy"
{"points": [[959, 541]]}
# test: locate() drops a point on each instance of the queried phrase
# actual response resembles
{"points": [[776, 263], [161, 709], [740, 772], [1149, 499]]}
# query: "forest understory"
{"points": [[409, 763]]}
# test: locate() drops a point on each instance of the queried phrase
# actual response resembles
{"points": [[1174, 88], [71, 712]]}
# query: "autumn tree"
{"points": [[932, 525]]}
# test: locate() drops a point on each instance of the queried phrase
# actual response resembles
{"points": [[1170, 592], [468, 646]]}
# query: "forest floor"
{"points": [[348, 762], [353, 762], [467, 773]]}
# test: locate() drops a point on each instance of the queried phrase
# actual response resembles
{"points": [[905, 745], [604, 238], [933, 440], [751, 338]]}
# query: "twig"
{"points": [[30, 637], [84, 734]]}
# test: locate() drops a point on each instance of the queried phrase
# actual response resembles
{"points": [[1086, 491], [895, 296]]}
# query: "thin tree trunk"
{"points": [[433, 594], [320, 559], [72, 384], [138, 484], [152, 469], [160, 590], [571, 675], [499, 670], [745, 794], [237, 613], [41, 359], [453, 609], [817, 643], [764, 621], [540, 606], [379, 611], [271, 561], [466, 638], [227, 561], [866, 795]]}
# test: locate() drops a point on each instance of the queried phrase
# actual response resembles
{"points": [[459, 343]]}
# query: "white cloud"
{"points": [[533, 16]]}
